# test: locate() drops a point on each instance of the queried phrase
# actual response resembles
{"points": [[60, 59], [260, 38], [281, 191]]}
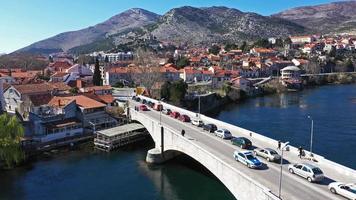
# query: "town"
{"points": [[74, 96], [178, 100]]}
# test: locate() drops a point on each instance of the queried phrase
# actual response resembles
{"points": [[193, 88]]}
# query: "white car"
{"points": [[247, 158], [267, 153], [308, 171], [223, 133], [197, 122], [346, 190]]}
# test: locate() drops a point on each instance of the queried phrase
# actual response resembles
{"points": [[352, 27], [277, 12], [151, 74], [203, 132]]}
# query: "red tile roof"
{"points": [[81, 100], [107, 99], [60, 65]]}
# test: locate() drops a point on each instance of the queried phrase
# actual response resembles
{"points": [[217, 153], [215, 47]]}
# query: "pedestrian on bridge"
{"points": [[183, 132], [300, 152], [279, 145]]}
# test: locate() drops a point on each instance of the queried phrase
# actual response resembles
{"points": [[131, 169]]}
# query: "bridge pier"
{"points": [[155, 156]]}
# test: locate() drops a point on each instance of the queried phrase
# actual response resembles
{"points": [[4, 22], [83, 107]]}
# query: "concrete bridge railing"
{"points": [[239, 184]]}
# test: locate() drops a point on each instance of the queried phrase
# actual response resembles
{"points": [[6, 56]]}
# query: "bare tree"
{"points": [[313, 67], [145, 58], [146, 76]]}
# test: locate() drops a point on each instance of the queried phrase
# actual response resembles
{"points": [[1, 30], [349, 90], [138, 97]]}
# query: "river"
{"points": [[285, 117], [88, 174]]}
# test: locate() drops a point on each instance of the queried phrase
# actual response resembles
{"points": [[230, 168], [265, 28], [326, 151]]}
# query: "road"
{"points": [[293, 186]]}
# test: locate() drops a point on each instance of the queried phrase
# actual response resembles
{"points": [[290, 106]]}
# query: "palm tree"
{"points": [[11, 132]]}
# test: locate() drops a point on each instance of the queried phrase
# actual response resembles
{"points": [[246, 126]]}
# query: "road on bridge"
{"points": [[293, 187]]}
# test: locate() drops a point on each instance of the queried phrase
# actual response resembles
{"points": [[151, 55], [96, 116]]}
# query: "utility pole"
{"points": [[311, 135], [199, 106], [281, 166]]}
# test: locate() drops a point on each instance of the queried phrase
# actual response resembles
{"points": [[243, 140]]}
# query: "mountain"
{"points": [[180, 25], [215, 24], [124, 21], [326, 18]]}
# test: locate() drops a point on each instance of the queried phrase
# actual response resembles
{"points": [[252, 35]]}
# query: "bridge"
{"points": [[216, 155]]}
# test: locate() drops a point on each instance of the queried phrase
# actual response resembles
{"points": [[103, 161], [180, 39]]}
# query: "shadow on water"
{"points": [[184, 178]]}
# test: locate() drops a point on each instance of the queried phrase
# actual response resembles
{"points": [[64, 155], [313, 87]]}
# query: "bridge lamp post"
{"points": [[199, 105], [311, 135], [160, 113], [280, 174]]}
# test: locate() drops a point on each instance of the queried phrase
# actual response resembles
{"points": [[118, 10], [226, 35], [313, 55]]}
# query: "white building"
{"points": [[290, 72]]}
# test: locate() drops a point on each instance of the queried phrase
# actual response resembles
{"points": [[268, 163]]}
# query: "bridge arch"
{"points": [[169, 143]]}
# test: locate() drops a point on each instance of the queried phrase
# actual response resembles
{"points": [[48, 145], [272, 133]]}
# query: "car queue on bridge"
{"points": [[248, 153]]}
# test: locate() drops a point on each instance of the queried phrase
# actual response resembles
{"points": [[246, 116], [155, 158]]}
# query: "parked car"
{"points": [[158, 107], [174, 114], [242, 142], [308, 171], [143, 107], [346, 190], [247, 158], [137, 99], [134, 98], [144, 101], [184, 118], [223, 133], [166, 111], [197, 122], [268, 154], [210, 127], [150, 104]]}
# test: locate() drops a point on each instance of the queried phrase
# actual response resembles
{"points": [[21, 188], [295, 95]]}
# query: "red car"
{"points": [[175, 114], [143, 108], [184, 118]]}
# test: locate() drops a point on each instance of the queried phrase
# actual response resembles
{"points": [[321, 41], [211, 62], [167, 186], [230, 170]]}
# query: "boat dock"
{"points": [[113, 138]]}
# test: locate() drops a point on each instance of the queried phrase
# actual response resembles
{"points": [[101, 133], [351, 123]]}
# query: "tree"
{"points": [[243, 46], [119, 84], [230, 46], [349, 66], [145, 58], [214, 49], [182, 62], [332, 52], [264, 43], [279, 43], [11, 132], [97, 74], [74, 90], [177, 91], [165, 90], [146, 76]]}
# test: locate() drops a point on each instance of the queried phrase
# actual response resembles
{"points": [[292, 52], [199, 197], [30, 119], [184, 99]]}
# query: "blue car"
{"points": [[247, 158]]}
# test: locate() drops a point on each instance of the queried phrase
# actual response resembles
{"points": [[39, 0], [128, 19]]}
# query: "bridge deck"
{"points": [[293, 187]]}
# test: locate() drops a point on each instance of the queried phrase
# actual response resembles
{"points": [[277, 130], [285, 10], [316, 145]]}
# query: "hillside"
{"points": [[214, 24], [184, 25], [326, 18], [129, 19]]}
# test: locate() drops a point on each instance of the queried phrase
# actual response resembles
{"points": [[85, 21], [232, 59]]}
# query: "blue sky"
{"points": [[23, 22]]}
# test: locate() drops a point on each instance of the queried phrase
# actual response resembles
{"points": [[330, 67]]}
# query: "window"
{"points": [[298, 167], [306, 169]]}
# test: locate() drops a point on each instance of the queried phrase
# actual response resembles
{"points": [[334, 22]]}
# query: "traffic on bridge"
{"points": [[286, 171]]}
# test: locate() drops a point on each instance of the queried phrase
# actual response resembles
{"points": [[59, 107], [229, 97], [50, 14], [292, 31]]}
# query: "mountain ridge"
{"points": [[204, 25], [334, 17]]}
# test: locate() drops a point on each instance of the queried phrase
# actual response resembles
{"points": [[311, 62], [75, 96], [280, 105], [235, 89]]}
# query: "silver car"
{"points": [[308, 171], [268, 154]]}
